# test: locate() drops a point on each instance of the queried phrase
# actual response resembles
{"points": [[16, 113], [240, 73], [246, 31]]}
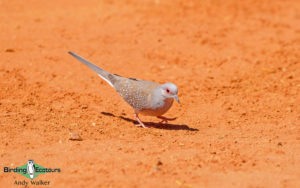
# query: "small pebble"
{"points": [[75, 136]]}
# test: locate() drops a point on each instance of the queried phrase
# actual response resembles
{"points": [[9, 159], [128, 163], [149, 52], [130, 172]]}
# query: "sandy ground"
{"points": [[236, 63]]}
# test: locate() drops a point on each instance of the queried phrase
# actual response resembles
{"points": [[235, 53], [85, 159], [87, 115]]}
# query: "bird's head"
{"points": [[170, 90]]}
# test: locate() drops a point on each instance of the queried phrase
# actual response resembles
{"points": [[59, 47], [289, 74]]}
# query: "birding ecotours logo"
{"points": [[31, 170]]}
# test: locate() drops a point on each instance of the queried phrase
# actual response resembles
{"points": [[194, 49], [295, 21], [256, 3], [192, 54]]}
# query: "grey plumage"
{"points": [[146, 97]]}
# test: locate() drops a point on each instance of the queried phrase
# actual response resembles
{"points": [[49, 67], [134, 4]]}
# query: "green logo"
{"points": [[31, 170]]}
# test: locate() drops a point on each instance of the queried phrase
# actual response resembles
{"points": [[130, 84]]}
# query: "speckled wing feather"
{"points": [[136, 93]]}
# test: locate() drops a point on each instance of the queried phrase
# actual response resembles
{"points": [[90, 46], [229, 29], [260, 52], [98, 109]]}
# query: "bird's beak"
{"points": [[177, 99]]}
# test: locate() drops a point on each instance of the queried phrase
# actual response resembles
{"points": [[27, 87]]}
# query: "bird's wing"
{"points": [[135, 92]]}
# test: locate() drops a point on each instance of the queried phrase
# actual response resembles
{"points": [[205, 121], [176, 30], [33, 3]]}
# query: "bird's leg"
{"points": [[139, 120], [164, 119]]}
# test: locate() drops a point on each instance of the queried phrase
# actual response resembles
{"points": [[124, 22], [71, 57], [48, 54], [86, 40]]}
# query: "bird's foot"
{"points": [[164, 119], [141, 124]]}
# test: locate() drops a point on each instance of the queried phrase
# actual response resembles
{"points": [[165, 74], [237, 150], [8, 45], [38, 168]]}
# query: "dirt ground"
{"points": [[236, 64]]}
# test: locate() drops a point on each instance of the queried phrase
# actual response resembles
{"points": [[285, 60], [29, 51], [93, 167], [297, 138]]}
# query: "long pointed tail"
{"points": [[102, 73]]}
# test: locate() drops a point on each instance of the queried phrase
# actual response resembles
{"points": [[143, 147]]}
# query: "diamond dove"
{"points": [[145, 97]]}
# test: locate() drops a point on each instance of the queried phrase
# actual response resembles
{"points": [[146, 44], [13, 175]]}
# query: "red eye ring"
{"points": [[167, 90]]}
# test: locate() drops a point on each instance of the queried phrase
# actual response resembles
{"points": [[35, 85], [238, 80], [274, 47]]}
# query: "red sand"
{"points": [[236, 63]]}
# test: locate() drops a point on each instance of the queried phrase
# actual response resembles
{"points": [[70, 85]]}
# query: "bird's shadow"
{"points": [[166, 126]]}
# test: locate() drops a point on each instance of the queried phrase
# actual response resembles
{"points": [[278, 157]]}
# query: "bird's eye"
{"points": [[167, 90]]}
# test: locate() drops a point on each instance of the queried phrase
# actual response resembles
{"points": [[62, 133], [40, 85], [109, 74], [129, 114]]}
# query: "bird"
{"points": [[145, 97], [30, 169]]}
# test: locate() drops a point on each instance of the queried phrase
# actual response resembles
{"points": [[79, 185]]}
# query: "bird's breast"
{"points": [[159, 109]]}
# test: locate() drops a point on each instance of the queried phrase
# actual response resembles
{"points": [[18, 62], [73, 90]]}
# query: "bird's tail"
{"points": [[102, 73]]}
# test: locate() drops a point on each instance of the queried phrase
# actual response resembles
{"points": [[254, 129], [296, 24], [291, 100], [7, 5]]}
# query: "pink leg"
{"points": [[139, 120], [164, 119]]}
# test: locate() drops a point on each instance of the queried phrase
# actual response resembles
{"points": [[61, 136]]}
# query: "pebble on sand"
{"points": [[75, 136]]}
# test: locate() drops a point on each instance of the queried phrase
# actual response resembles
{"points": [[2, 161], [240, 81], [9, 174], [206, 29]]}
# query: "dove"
{"points": [[145, 97]]}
